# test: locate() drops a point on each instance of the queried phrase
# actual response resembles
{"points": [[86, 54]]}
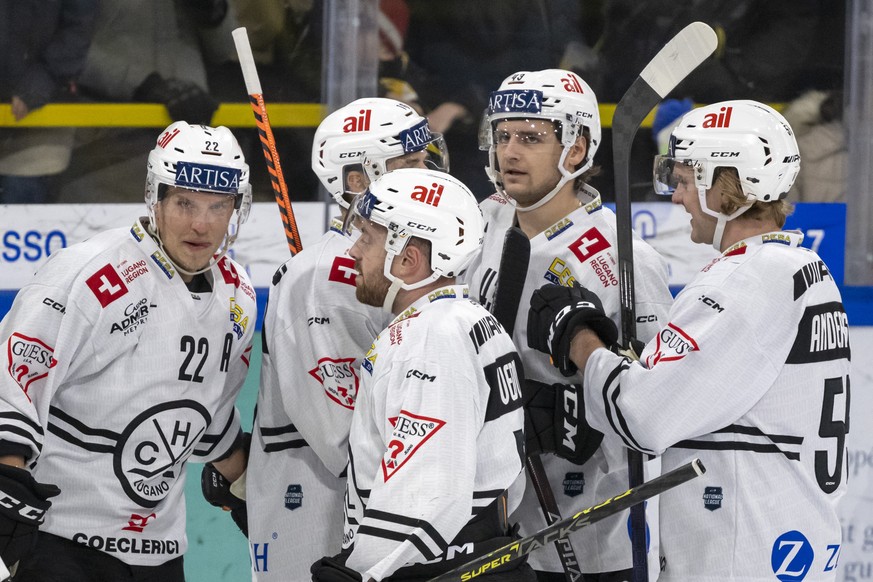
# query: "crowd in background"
{"points": [[441, 61]]}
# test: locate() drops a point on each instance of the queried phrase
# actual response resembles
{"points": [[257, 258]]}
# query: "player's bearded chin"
{"points": [[371, 292]]}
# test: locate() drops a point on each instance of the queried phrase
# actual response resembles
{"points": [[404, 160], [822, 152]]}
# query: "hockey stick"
{"points": [[268, 142], [681, 55], [510, 286], [560, 529]]}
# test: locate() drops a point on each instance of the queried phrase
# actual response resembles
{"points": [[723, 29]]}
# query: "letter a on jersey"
{"points": [[410, 433]]}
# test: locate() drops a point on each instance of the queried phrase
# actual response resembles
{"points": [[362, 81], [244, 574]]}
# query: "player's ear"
{"points": [[577, 152], [414, 260]]}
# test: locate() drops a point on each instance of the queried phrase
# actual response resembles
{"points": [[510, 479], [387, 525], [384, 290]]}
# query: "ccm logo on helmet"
{"points": [[351, 155], [725, 154], [419, 226], [427, 195]]}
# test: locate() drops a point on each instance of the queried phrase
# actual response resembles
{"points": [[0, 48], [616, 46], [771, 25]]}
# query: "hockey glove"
{"points": [[23, 504], [555, 314], [554, 422], [185, 101], [333, 569], [217, 491]]}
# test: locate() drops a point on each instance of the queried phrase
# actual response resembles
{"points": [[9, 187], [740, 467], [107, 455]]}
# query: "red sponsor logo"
{"points": [[231, 277], [106, 285], [571, 84], [410, 433], [604, 272], [343, 271], [167, 137], [589, 244], [720, 119], [361, 122], [28, 360], [134, 270], [339, 379], [137, 522], [672, 344], [427, 195]]}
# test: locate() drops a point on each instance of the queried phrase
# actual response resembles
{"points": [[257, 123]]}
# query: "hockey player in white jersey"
{"points": [[124, 357], [750, 372], [436, 437], [543, 132], [315, 335]]}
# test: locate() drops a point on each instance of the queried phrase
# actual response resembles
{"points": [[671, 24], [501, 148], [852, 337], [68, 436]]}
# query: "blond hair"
{"points": [[733, 197]]}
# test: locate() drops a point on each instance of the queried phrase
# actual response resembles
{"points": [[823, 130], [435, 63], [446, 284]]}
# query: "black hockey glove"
{"points": [[216, 490], [333, 569], [184, 100], [23, 504], [555, 313], [554, 422]]}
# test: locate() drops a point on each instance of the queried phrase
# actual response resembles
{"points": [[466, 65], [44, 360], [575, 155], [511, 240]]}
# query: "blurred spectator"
{"points": [[466, 49], [762, 51], [817, 120], [398, 75], [143, 51], [42, 51]]}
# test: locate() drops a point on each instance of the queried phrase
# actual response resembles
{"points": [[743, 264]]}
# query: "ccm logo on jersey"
{"points": [[339, 379], [28, 360], [410, 432], [106, 285], [343, 271], [672, 344]]}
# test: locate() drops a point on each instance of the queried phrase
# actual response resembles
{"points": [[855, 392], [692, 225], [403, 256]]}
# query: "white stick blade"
{"points": [[679, 57], [246, 61]]}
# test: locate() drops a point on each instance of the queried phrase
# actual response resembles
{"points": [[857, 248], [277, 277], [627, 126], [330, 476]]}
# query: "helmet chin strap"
{"points": [[721, 218], [497, 179], [397, 284]]}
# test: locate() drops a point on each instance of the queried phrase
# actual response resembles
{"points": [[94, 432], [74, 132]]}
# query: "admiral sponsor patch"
{"points": [[28, 360], [589, 244], [294, 496], [672, 343], [106, 285], [339, 379], [343, 271], [134, 315], [410, 433], [712, 498], [822, 335], [574, 484]]}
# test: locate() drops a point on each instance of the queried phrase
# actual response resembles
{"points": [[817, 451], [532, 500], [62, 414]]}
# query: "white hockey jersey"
{"points": [[581, 247], [751, 374], [437, 434], [315, 335], [115, 375]]}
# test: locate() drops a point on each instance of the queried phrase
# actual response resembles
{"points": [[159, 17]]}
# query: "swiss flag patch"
{"points": [[343, 271], [106, 285], [410, 432], [589, 244]]}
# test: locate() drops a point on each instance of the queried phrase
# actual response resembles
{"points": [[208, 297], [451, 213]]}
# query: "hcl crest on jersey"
{"points": [[410, 433], [339, 379]]}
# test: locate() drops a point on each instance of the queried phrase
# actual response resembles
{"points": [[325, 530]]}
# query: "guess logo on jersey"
{"points": [[343, 271], [28, 360], [410, 432], [672, 344], [589, 244], [106, 285], [339, 379]]}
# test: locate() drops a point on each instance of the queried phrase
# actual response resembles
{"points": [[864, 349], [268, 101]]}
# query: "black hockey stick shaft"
{"points": [[679, 57], [560, 529], [514, 262]]}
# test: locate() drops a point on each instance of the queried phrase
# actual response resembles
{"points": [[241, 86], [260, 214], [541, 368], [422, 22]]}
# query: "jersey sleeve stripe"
{"points": [[398, 519], [735, 446], [751, 430], [613, 411], [67, 437], [398, 537], [18, 417], [81, 426]]}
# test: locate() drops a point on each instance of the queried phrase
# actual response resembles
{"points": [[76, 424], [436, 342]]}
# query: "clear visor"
{"points": [[531, 131], [208, 207], [669, 173]]}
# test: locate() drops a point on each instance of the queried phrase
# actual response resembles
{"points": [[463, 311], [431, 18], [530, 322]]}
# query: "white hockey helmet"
{"points": [[556, 95], [751, 137], [364, 135], [425, 204], [202, 159]]}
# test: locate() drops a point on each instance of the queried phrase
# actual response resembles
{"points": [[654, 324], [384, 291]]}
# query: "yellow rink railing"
{"points": [[153, 115]]}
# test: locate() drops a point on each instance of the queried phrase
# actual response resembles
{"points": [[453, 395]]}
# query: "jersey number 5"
{"points": [[830, 428]]}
